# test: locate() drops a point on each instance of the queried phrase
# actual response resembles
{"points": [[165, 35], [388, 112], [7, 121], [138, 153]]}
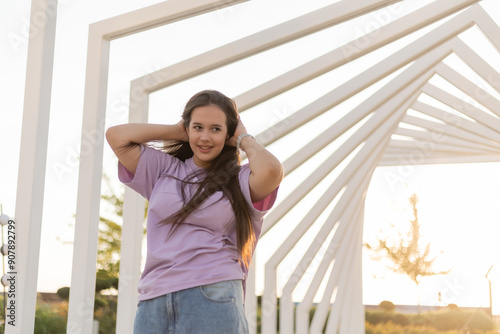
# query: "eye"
{"points": [[216, 129], [197, 127]]}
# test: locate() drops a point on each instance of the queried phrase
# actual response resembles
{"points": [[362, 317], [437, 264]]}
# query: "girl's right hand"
{"points": [[183, 135]]}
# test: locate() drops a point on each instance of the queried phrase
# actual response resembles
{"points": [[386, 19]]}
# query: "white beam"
{"points": [[337, 276], [409, 76], [261, 41], [402, 57], [131, 245], [490, 28], [440, 131], [403, 159], [353, 315], [350, 175], [355, 49], [157, 15], [457, 121], [365, 161], [426, 148], [475, 92], [477, 63], [81, 298], [32, 161], [429, 139], [251, 297]]}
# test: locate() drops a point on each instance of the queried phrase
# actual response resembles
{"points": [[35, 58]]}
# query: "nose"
{"points": [[205, 136]]}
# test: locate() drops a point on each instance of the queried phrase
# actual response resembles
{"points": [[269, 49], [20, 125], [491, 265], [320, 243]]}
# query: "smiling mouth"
{"points": [[204, 148]]}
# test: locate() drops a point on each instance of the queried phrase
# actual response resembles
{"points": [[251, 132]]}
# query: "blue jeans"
{"points": [[214, 308]]}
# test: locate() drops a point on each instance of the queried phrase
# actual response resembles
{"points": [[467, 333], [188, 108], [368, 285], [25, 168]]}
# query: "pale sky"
{"points": [[457, 203]]}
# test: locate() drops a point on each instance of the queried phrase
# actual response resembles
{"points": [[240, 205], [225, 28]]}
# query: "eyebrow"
{"points": [[197, 123]]}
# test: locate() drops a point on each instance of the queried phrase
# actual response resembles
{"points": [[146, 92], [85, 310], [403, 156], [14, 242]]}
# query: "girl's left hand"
{"points": [[240, 129]]}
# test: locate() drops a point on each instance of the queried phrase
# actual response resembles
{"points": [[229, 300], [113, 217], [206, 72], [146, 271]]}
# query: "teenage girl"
{"points": [[204, 217]]}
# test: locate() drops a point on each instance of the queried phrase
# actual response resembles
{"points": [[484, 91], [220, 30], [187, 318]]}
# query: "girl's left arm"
{"points": [[266, 171]]}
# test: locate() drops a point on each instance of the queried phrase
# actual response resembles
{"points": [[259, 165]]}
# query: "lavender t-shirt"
{"points": [[203, 249]]}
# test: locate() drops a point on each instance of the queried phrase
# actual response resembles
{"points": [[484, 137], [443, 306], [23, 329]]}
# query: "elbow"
{"points": [[115, 138], [275, 172], [111, 134]]}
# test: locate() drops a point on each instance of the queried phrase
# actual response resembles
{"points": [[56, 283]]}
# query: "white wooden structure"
{"points": [[448, 138]]}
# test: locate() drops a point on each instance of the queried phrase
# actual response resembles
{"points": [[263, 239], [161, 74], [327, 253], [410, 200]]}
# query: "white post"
{"points": [[132, 235], [82, 291], [32, 160]]}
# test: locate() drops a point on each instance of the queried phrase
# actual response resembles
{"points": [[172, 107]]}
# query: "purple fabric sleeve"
{"points": [[152, 164]]}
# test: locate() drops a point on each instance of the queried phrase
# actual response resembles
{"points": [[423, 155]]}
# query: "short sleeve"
{"points": [[152, 164], [259, 208]]}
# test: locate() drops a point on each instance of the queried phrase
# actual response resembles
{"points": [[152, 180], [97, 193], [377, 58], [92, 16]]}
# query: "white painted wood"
{"points": [[336, 282], [157, 15], [367, 158], [478, 64], [457, 121], [475, 92], [428, 148], [440, 131], [353, 316], [402, 159], [353, 86], [489, 27], [269, 38], [251, 297], [81, 298], [345, 251], [132, 236], [350, 51], [363, 110], [32, 162], [428, 139], [401, 81], [379, 129], [82, 291]]}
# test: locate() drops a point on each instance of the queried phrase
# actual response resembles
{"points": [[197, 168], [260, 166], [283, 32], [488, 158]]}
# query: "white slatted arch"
{"points": [[389, 125]]}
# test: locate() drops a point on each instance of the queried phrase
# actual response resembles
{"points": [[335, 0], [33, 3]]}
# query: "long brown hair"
{"points": [[221, 175]]}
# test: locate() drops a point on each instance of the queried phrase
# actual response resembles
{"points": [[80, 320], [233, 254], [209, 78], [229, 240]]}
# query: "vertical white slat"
{"points": [[132, 232], [82, 290], [251, 298], [32, 161]]}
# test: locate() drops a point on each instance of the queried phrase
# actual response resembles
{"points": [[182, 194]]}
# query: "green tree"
{"points": [[408, 256]]}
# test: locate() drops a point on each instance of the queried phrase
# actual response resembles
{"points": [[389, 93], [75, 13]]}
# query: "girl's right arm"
{"points": [[125, 139]]}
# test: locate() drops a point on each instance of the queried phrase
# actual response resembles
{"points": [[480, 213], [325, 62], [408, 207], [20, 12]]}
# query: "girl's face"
{"points": [[207, 133]]}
